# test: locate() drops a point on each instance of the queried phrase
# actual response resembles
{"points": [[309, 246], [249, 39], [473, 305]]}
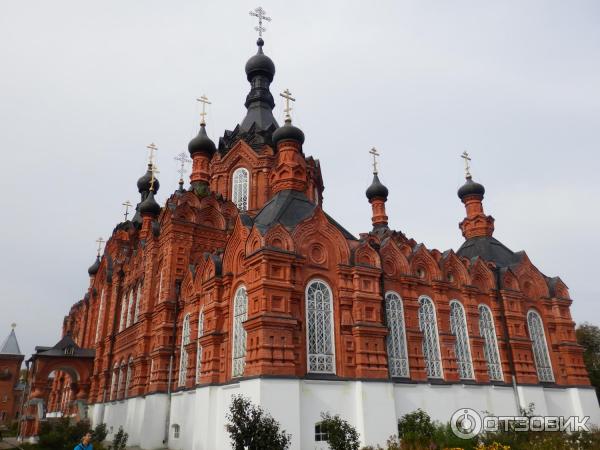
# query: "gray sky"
{"points": [[85, 86]]}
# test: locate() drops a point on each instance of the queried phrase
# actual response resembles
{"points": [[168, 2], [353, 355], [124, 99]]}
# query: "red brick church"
{"points": [[240, 282]]}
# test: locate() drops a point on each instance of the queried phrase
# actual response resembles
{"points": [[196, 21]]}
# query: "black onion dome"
{"points": [[471, 188], [93, 269], [377, 189], [149, 206], [202, 143], [288, 132], [260, 64], [143, 184]]}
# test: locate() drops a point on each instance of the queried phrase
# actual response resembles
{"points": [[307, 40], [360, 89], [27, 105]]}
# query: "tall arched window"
{"points": [[113, 382], [239, 188], [100, 315], [431, 347], [130, 308], [540, 347], [199, 348], [396, 339], [121, 380], [183, 357], [319, 328], [490, 344], [128, 377], [458, 327], [123, 312], [138, 299], [240, 314]]}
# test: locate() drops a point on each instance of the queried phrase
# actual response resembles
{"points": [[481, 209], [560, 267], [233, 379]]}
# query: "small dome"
{"points": [[260, 64], [377, 189], [288, 132], [143, 184], [470, 188], [149, 206], [202, 143], [93, 270]]}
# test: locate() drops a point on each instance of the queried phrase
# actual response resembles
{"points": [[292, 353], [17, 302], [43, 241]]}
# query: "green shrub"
{"points": [[342, 435]]}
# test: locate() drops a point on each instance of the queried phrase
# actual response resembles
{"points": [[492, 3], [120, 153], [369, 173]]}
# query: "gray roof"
{"points": [[10, 346], [489, 249], [60, 347]]}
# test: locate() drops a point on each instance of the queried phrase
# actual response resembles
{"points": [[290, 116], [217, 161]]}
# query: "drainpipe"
{"points": [[511, 362], [171, 360]]}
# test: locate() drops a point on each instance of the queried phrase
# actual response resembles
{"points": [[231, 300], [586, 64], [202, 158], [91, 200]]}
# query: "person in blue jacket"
{"points": [[86, 443]]}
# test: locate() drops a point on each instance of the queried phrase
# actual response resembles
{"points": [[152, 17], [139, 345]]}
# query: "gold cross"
{"points": [[260, 14], [375, 154], [100, 241], [467, 158], [288, 98], [153, 170], [127, 205], [183, 160], [204, 100], [152, 147]]}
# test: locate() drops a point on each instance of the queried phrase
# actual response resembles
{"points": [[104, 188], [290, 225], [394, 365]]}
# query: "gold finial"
{"points": [[375, 154], [152, 147], [204, 100], [183, 159], [260, 14], [153, 170], [99, 241], [467, 158], [127, 205], [13, 325], [288, 98]]}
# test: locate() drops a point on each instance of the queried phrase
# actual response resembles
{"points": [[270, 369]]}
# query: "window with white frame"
{"points": [[320, 434], [128, 377], [239, 188], [183, 357], [431, 347], [138, 299], [396, 339], [121, 381], [240, 314], [458, 327], [199, 347], [540, 347], [176, 431], [113, 383], [123, 312], [130, 308], [319, 328], [100, 315], [490, 343]]}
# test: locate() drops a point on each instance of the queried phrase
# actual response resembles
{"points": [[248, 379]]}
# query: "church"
{"points": [[239, 282]]}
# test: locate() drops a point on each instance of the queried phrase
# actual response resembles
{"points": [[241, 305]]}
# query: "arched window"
{"points": [[239, 188], [100, 315], [319, 328], [130, 308], [540, 348], [113, 382], [183, 358], [490, 344], [121, 380], [138, 299], [458, 327], [431, 347], [396, 339], [128, 377], [240, 314], [199, 348], [123, 312]]}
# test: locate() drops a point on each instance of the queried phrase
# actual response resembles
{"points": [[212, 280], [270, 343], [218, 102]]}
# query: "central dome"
{"points": [[260, 64]]}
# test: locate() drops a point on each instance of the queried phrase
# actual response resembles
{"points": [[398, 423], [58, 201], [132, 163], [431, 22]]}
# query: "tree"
{"points": [[120, 440], [416, 429], [341, 435], [588, 336], [250, 426]]}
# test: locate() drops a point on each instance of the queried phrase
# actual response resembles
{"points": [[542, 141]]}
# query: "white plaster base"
{"points": [[374, 408]]}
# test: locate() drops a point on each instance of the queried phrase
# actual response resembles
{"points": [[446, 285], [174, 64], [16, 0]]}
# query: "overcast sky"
{"points": [[85, 86]]}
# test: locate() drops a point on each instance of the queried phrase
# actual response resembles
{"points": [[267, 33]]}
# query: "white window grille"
{"points": [[431, 348], [540, 347], [130, 309], [128, 377], [319, 328], [123, 312], [396, 339], [240, 314], [320, 434], [183, 360], [199, 347], [458, 327], [100, 315], [138, 299], [240, 189], [490, 344]]}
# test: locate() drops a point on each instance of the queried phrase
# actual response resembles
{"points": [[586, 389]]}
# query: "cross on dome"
{"points": [[204, 100], [260, 13], [467, 158], [99, 241], [288, 98], [375, 154], [127, 205], [183, 159], [152, 148]]}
